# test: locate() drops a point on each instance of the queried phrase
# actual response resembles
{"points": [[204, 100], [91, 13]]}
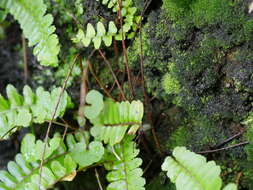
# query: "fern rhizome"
{"points": [[107, 126]]}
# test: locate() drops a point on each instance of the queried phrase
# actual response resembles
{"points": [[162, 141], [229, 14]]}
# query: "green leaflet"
{"points": [[125, 173], [130, 22], [59, 165], [112, 123], [37, 27], [128, 12], [95, 99], [31, 150], [191, 171], [91, 155], [96, 36], [21, 111], [230, 186]]}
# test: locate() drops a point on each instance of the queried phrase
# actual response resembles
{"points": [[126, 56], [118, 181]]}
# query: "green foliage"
{"points": [[176, 8], [128, 11], [170, 84], [249, 123], [61, 163], [130, 21], [200, 12], [113, 121], [249, 148], [191, 171], [21, 111], [37, 27], [97, 104], [96, 37], [125, 173]]}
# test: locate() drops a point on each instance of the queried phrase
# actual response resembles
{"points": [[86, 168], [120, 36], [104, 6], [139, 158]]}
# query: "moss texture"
{"points": [[197, 56]]}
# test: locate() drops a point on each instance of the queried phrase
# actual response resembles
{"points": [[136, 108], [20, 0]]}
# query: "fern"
{"points": [[128, 12], [61, 164], [96, 36], [191, 171], [37, 27], [21, 111], [99, 34], [125, 173], [111, 119]]}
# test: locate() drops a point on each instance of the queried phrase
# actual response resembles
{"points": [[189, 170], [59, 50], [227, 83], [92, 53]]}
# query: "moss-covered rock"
{"points": [[197, 57], [207, 44]]}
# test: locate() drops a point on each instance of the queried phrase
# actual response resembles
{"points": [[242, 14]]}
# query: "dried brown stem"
{"points": [[51, 121], [113, 74], [83, 88], [24, 47], [225, 148], [129, 74], [100, 83]]}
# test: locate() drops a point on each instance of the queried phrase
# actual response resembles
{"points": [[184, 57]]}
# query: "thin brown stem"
{"points": [[100, 83], [225, 148], [238, 177], [24, 47], [61, 124], [125, 51], [51, 121], [113, 74], [230, 139], [83, 89]]}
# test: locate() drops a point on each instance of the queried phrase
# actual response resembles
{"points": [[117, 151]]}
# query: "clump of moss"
{"points": [[199, 37], [197, 133], [170, 83]]}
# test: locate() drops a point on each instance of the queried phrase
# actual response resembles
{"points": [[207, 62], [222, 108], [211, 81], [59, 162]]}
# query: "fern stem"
{"points": [[50, 123], [113, 74], [24, 46], [225, 148], [124, 50]]}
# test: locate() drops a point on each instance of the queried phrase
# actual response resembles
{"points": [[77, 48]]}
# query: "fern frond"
{"points": [[191, 171], [61, 164], [125, 172], [96, 36], [128, 11], [21, 111], [113, 120], [37, 27], [130, 21]]}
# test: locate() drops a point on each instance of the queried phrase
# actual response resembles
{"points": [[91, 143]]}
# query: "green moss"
{"points": [[178, 138], [176, 8], [197, 133], [170, 84], [199, 12], [209, 11], [160, 183]]}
